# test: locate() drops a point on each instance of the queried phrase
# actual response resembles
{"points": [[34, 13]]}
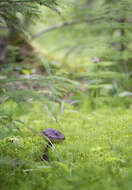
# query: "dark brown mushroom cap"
{"points": [[53, 135]]}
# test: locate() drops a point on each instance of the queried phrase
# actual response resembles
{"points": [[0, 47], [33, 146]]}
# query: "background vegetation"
{"points": [[65, 65]]}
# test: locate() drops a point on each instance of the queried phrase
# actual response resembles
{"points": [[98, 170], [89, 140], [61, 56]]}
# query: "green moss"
{"points": [[95, 155]]}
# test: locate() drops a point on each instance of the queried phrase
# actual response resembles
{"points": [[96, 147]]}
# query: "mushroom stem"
{"points": [[45, 153]]}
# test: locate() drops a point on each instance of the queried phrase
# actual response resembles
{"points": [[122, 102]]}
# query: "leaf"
{"points": [[100, 74], [94, 86]]}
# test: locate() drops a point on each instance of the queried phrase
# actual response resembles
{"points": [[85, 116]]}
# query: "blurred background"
{"points": [[66, 65], [87, 42]]}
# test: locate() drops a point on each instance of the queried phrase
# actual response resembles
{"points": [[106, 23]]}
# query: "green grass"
{"points": [[96, 154]]}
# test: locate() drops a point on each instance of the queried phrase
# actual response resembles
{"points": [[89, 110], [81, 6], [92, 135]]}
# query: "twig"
{"points": [[55, 27]]}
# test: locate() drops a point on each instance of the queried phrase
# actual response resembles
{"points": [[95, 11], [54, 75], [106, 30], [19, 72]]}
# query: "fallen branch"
{"points": [[51, 28]]}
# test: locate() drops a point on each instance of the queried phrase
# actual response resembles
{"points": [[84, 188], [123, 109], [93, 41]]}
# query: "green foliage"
{"points": [[106, 34], [97, 121], [11, 11], [96, 153], [50, 88]]}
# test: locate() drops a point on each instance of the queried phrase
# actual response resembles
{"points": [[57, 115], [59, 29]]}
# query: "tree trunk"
{"points": [[3, 48]]}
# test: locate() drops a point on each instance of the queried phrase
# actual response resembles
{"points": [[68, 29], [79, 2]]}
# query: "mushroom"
{"points": [[51, 136]]}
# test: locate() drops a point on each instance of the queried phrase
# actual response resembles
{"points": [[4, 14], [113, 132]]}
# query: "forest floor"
{"points": [[96, 153]]}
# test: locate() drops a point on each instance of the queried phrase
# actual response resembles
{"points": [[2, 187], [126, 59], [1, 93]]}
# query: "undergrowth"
{"points": [[95, 155]]}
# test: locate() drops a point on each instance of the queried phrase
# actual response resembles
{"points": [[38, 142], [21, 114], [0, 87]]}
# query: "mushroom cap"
{"points": [[53, 135]]}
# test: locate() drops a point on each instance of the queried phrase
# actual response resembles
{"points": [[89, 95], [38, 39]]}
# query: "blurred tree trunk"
{"points": [[122, 35], [122, 46], [15, 37], [3, 48]]}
